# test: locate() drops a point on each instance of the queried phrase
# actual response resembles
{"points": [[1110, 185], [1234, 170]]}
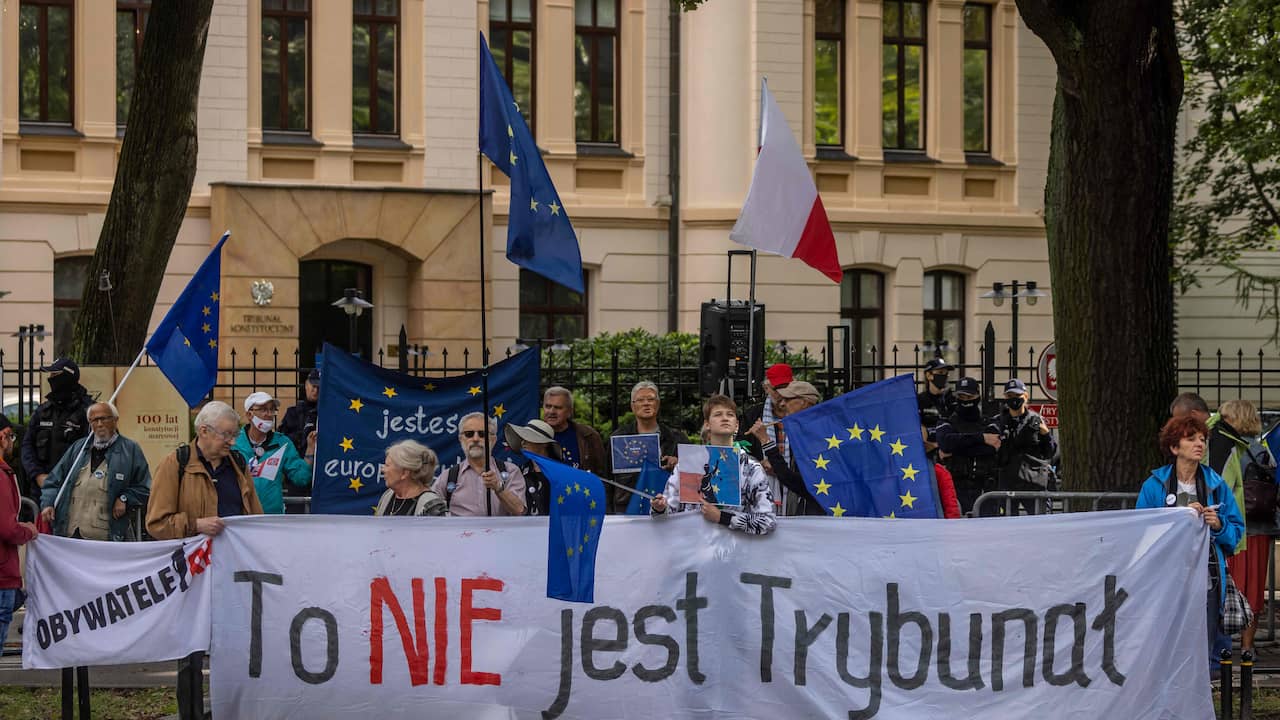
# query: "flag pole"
{"points": [[484, 329]]}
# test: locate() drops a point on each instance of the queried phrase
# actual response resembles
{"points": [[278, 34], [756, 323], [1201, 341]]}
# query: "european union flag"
{"points": [[861, 453], [577, 518], [539, 235], [365, 408], [185, 343], [653, 480]]}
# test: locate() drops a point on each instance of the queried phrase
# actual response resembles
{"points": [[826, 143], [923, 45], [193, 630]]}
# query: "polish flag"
{"points": [[783, 213]]}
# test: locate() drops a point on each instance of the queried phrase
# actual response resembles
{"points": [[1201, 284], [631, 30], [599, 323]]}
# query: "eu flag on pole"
{"points": [[653, 480], [577, 518], [540, 237], [861, 453], [185, 343]]}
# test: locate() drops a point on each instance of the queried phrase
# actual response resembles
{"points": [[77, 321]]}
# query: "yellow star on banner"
{"points": [[593, 520], [576, 486], [214, 297], [855, 432], [213, 343], [586, 492], [898, 446], [346, 444], [205, 310], [838, 511], [510, 132], [823, 486], [429, 387], [833, 442], [909, 473], [569, 552], [356, 405], [205, 327], [533, 205], [186, 342], [586, 537], [555, 209], [389, 392], [474, 391], [560, 500], [593, 504], [355, 484], [513, 158], [891, 516], [499, 411], [908, 500], [821, 463], [876, 432]]}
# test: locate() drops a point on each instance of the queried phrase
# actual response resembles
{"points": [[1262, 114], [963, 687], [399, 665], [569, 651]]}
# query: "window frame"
{"points": [[282, 112], [551, 311], [940, 315], [43, 60], [988, 46], [855, 313], [75, 303], [901, 43], [374, 20], [593, 32], [511, 27], [839, 38], [139, 9]]}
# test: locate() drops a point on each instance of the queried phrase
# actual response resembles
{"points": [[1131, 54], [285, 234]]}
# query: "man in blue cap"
{"points": [[1026, 445]]}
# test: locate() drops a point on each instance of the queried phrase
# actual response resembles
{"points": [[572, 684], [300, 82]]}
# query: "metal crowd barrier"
{"points": [[1018, 502]]}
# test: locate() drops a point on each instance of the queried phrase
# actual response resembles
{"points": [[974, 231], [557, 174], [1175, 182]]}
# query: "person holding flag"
{"points": [[270, 456]]}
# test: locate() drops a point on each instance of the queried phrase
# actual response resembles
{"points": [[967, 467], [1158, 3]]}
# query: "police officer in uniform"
{"points": [[936, 402], [970, 442], [58, 422]]}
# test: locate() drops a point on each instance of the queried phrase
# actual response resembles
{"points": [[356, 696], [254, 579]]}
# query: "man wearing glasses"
{"points": [[111, 479], [477, 487], [194, 487], [645, 405], [271, 456]]}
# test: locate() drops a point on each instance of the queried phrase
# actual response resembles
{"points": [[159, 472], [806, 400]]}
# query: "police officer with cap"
{"points": [[300, 419], [936, 401], [970, 442], [1026, 445], [58, 422]]}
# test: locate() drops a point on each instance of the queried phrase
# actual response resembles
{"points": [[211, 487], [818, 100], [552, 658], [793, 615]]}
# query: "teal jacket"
{"points": [[1222, 541], [130, 478], [292, 468]]}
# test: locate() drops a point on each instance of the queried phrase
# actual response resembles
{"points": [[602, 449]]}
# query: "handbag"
{"points": [[1236, 613]]}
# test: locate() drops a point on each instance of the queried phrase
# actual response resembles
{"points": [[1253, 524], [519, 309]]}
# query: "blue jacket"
{"points": [[130, 479], [1224, 540], [292, 468]]}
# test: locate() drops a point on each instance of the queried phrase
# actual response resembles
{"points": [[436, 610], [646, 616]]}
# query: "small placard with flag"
{"points": [[576, 520], [652, 480], [185, 343]]}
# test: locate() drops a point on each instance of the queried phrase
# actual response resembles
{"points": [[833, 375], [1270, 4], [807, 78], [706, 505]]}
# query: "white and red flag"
{"points": [[783, 213]]}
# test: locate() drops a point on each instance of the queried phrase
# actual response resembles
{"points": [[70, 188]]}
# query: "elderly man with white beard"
{"points": [[477, 488], [110, 479]]}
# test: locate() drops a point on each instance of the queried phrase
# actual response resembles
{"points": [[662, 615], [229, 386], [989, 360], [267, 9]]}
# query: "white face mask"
{"points": [[263, 426]]}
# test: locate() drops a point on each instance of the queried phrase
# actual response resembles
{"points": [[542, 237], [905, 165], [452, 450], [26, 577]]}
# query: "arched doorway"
{"points": [[320, 283]]}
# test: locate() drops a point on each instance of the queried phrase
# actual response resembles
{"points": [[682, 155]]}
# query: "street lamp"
{"points": [[522, 344], [354, 305], [1014, 291]]}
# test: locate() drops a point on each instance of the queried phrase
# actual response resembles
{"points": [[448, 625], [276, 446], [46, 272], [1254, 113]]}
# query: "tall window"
{"points": [[977, 78], [511, 40], [595, 90], [549, 310], [131, 21], [46, 61], [903, 74], [828, 71], [944, 314], [69, 276], [375, 56], [862, 310], [285, 64]]}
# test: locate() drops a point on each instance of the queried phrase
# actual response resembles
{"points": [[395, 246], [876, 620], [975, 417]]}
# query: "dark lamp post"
{"points": [[1014, 291], [354, 305]]}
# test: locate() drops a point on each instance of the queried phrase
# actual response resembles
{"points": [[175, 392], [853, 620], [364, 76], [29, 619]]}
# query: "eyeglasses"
{"points": [[227, 435], [96, 420], [472, 433], [262, 410], [646, 400]]}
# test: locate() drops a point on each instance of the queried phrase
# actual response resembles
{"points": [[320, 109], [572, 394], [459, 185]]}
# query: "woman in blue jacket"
{"points": [[1187, 483]]}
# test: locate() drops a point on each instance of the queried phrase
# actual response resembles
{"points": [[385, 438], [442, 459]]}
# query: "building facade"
{"points": [[337, 142]]}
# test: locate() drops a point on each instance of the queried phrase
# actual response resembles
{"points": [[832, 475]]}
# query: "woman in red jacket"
{"points": [[12, 534]]}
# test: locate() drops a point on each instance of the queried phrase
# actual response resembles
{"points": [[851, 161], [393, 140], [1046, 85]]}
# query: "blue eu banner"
{"points": [[861, 453], [365, 408], [573, 535]]}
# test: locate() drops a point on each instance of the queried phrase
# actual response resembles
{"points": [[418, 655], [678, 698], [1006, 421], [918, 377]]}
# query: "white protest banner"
{"points": [[110, 603], [1082, 615]]}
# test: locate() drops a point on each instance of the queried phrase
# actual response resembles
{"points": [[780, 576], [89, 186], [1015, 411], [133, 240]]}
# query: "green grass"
{"points": [[46, 703], [1266, 703]]}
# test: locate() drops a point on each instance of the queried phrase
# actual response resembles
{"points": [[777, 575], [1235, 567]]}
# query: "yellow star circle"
{"points": [[356, 405], [908, 500], [475, 390], [823, 486], [855, 432], [876, 432], [346, 444], [838, 511], [833, 442], [389, 392], [909, 473], [898, 446], [355, 484], [821, 463]]}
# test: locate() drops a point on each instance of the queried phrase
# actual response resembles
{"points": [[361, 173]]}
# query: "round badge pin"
{"points": [[1170, 499], [98, 474]]}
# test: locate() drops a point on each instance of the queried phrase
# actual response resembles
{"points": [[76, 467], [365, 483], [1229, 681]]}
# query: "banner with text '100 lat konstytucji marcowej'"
{"points": [[1083, 615]]}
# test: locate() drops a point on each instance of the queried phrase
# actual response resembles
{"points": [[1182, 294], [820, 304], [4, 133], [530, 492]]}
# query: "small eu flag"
{"points": [[577, 518], [185, 343], [652, 480], [861, 453], [540, 237]]}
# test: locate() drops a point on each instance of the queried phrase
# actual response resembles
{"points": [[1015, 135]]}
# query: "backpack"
{"points": [[1259, 480], [451, 482], [184, 456]]}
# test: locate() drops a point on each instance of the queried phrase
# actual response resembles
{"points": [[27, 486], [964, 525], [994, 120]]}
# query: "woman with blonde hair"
{"points": [[408, 470], [1238, 427]]}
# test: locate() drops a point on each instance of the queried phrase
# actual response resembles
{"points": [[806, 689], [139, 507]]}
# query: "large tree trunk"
{"points": [[1107, 200], [152, 186]]}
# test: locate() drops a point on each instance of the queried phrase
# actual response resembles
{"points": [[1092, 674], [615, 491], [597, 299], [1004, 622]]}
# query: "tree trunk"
{"points": [[1107, 201], [152, 186]]}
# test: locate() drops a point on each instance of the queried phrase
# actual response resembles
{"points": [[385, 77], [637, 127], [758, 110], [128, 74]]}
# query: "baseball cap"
{"points": [[257, 398], [800, 389], [968, 386], [1015, 385], [779, 375], [64, 365], [536, 431], [937, 363]]}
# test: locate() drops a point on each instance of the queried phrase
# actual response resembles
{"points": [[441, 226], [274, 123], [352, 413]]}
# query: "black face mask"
{"points": [[1015, 403], [967, 408], [62, 383], [938, 381]]}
